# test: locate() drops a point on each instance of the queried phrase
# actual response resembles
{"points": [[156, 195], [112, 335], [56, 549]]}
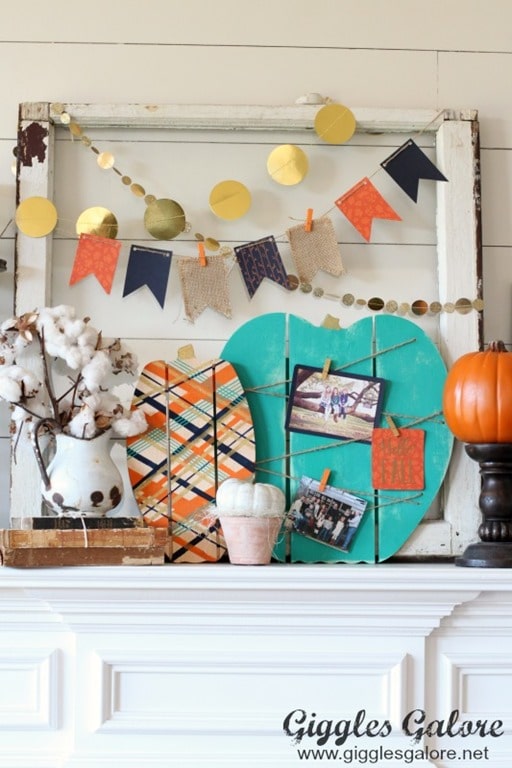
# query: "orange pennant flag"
{"points": [[96, 256], [362, 204]]}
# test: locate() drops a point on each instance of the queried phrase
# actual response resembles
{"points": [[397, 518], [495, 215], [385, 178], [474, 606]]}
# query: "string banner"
{"points": [[204, 286], [362, 204], [148, 267], [96, 256], [408, 165], [315, 250], [258, 260]]}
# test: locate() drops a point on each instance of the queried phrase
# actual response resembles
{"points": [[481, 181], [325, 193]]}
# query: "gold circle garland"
{"points": [[335, 124], [36, 216], [230, 200], [97, 221], [287, 164], [165, 219]]}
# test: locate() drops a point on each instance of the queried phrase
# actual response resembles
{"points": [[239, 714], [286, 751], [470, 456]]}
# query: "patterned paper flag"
{"points": [[204, 286], [258, 260], [315, 250], [362, 204], [398, 461], [96, 256], [408, 165], [148, 266]]}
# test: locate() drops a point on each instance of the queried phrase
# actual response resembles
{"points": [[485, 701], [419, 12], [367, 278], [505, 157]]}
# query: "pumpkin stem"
{"points": [[496, 346]]}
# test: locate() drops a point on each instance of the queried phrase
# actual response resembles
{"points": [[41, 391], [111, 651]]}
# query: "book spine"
{"points": [[73, 523]]}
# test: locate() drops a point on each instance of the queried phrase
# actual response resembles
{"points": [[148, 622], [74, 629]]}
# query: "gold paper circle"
{"points": [[106, 160], [75, 129], [292, 282], [212, 244], [36, 216], [478, 304], [137, 190], [230, 200], [436, 307], [164, 219], [126, 180], [318, 292], [65, 118], [419, 307], [86, 141], [149, 199], [335, 124], [306, 287], [376, 303], [287, 164], [404, 308], [391, 306], [347, 299], [463, 306], [97, 221]]}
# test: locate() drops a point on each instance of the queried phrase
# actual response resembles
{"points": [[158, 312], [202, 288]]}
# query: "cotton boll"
{"points": [[82, 425], [10, 390], [128, 426], [96, 370]]}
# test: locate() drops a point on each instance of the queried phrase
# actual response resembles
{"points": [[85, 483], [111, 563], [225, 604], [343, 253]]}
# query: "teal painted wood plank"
{"points": [[349, 462], [416, 373], [257, 351]]}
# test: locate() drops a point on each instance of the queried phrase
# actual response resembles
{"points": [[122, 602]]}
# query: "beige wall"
{"points": [[447, 53]]}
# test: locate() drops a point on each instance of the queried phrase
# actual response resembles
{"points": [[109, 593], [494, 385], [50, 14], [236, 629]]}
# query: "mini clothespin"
{"points": [[202, 254], [324, 479], [325, 369], [308, 226], [391, 424]]}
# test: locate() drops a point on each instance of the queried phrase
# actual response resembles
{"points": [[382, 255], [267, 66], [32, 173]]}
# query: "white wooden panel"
{"points": [[496, 198], [497, 274], [28, 689], [482, 88], [39, 72], [133, 693], [445, 25]]}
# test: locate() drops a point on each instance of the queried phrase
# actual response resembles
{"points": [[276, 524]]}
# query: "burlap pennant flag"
{"points": [[204, 286], [258, 260], [96, 256], [364, 203], [408, 165], [315, 250]]}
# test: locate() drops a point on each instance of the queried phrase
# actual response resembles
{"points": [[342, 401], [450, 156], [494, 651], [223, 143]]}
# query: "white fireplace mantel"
{"points": [[198, 665]]}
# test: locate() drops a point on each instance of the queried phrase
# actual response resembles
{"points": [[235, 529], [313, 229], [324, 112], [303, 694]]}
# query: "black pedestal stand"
{"points": [[495, 548]]}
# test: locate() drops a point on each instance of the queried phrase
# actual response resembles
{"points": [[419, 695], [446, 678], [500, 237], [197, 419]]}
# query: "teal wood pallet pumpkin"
{"points": [[264, 352]]}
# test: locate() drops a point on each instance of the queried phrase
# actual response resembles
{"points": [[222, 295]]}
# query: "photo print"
{"points": [[342, 405], [331, 516]]}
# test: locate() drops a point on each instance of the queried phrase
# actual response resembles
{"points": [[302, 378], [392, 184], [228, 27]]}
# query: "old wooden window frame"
{"points": [[458, 252]]}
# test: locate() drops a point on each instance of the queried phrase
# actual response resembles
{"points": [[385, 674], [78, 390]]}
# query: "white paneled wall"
{"points": [[458, 54]]}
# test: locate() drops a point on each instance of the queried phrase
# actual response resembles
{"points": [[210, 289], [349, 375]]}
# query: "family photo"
{"points": [[331, 516], [346, 406]]}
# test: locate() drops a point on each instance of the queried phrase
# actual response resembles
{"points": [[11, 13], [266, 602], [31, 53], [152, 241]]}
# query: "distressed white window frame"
{"points": [[458, 255]]}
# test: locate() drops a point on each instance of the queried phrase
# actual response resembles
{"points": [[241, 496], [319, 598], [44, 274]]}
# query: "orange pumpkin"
{"points": [[477, 396]]}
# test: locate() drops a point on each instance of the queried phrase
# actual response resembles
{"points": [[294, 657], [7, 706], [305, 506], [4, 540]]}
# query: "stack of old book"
{"points": [[34, 542]]}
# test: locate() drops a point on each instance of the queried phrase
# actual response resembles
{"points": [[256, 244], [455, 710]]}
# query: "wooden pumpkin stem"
{"points": [[497, 346]]}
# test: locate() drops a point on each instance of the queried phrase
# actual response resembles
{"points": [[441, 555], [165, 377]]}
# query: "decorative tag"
{"points": [[398, 463], [316, 249], [364, 203], [96, 256]]}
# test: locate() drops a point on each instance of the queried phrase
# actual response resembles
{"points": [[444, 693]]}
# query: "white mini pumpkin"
{"points": [[241, 498]]}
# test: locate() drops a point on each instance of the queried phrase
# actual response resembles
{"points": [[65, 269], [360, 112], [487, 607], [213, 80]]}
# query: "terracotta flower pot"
{"points": [[250, 540]]}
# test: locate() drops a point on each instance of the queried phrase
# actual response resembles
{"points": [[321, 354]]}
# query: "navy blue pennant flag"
{"points": [[408, 165], [258, 260], [148, 266]]}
